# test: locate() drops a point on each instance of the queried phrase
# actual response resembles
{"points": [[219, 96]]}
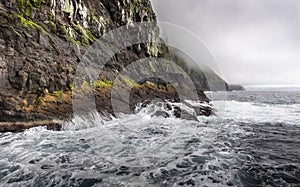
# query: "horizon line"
{"points": [[273, 86]]}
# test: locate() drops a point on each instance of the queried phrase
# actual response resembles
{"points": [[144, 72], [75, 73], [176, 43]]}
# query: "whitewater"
{"points": [[252, 140]]}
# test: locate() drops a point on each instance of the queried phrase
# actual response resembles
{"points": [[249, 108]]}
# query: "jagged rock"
{"points": [[161, 113], [42, 42]]}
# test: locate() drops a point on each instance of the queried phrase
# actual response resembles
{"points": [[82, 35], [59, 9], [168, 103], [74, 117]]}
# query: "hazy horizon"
{"points": [[256, 43], [273, 88]]}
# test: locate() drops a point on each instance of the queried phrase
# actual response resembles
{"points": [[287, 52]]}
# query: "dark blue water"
{"points": [[254, 140]]}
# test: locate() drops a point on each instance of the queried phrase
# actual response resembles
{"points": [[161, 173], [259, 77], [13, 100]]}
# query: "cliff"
{"points": [[204, 79], [42, 42], [235, 87]]}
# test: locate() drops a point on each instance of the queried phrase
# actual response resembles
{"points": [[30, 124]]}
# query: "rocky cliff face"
{"points": [[42, 40], [41, 43]]}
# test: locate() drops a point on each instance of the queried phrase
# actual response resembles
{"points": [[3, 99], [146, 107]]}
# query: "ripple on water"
{"points": [[144, 150]]}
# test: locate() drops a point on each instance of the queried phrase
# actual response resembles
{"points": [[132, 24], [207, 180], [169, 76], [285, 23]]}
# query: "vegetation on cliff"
{"points": [[42, 42]]}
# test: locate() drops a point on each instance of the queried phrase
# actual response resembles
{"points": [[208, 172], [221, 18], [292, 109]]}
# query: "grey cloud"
{"points": [[255, 41]]}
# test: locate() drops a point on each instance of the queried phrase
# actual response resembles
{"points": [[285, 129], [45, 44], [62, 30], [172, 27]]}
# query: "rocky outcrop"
{"points": [[42, 41], [21, 126], [235, 87]]}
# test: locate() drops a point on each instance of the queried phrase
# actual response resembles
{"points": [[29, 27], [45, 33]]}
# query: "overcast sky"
{"points": [[256, 42]]}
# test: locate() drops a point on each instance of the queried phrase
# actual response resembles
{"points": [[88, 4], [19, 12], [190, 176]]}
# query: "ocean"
{"points": [[252, 140]]}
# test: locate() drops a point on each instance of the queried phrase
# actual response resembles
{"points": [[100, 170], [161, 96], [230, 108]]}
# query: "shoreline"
{"points": [[55, 125], [52, 110]]}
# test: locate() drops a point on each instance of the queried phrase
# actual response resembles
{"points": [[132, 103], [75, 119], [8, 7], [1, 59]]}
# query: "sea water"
{"points": [[252, 140]]}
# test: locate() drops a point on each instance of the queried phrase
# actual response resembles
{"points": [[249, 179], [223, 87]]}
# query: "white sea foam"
{"points": [[251, 112], [144, 148]]}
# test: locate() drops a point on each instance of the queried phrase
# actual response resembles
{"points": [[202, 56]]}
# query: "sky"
{"points": [[255, 42]]}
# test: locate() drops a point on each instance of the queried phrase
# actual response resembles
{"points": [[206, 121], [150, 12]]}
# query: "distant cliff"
{"points": [[42, 41], [203, 79], [234, 87]]}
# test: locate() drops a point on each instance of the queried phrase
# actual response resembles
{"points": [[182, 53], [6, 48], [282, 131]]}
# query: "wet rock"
{"points": [[40, 49], [21, 126], [161, 114], [177, 112]]}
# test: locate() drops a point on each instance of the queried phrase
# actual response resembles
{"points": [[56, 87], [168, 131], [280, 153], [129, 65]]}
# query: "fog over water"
{"points": [[256, 42]]}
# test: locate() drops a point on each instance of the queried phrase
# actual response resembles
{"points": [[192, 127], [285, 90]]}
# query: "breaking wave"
{"points": [[246, 144]]}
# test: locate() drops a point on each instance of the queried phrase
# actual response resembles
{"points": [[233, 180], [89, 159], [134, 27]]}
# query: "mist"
{"points": [[255, 42]]}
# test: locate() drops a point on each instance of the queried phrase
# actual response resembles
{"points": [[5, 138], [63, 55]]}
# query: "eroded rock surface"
{"points": [[42, 42]]}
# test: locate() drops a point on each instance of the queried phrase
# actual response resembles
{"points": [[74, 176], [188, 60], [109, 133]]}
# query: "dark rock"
{"points": [[21, 126], [232, 87], [41, 48], [10, 103], [161, 114]]}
